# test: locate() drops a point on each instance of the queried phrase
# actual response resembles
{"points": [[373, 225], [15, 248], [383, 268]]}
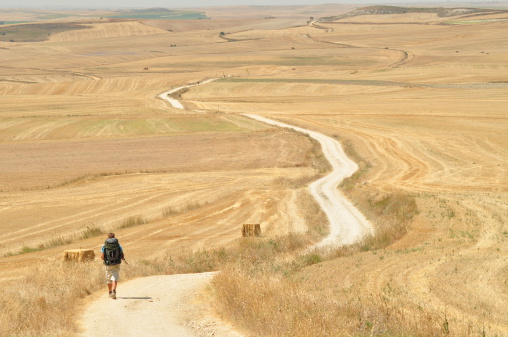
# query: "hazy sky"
{"points": [[175, 4]]}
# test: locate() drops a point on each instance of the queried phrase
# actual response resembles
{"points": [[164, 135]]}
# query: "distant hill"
{"points": [[159, 13], [279, 12], [386, 10], [35, 32]]}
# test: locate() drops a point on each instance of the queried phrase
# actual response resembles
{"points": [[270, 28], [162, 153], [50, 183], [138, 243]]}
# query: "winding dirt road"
{"points": [[176, 103], [347, 224], [159, 305]]}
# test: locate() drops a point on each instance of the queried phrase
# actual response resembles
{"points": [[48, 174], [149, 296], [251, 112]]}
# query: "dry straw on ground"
{"points": [[88, 148]]}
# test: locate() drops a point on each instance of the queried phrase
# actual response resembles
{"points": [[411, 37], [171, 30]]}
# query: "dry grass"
{"points": [[91, 231], [258, 288], [421, 108], [170, 211], [271, 306], [267, 297], [131, 221], [270, 296], [44, 304]]}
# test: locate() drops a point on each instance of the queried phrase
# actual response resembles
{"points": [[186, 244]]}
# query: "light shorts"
{"points": [[113, 273]]}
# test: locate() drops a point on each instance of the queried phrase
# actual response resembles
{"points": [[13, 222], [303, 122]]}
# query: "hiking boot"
{"points": [[110, 294], [113, 295]]}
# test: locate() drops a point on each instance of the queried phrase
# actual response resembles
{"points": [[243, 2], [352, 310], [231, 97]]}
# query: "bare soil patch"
{"points": [[147, 301]]}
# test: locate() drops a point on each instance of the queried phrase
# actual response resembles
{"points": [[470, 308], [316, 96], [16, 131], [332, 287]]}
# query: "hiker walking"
{"points": [[112, 255]]}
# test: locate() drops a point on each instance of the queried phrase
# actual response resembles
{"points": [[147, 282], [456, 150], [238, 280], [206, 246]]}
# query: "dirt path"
{"points": [[174, 102], [160, 305], [347, 224], [153, 306]]}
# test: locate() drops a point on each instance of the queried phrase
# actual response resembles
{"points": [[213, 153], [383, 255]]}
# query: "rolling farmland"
{"points": [[418, 100]]}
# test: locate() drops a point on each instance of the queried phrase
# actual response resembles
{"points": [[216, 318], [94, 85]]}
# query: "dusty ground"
{"points": [[423, 104], [155, 306], [175, 310]]}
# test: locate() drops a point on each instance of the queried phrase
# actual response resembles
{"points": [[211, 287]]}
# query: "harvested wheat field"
{"points": [[417, 98]]}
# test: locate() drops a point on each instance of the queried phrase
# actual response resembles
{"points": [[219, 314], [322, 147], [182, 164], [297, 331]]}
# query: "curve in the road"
{"points": [[176, 103], [347, 224]]}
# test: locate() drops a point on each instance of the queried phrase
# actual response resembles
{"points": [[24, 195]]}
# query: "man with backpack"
{"points": [[112, 255]]}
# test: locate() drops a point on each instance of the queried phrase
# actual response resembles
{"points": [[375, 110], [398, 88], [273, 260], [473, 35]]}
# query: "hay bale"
{"points": [[251, 229], [79, 255]]}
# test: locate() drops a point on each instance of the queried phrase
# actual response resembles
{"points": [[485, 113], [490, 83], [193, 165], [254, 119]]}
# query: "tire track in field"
{"points": [[130, 203], [409, 167], [80, 217], [41, 131]]}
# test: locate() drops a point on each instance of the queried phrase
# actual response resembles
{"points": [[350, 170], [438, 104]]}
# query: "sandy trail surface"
{"points": [[347, 223], [151, 306], [173, 101], [157, 306], [144, 307]]}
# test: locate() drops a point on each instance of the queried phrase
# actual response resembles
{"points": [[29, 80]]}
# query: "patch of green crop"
{"points": [[160, 14], [52, 16], [13, 22], [35, 32], [474, 22]]}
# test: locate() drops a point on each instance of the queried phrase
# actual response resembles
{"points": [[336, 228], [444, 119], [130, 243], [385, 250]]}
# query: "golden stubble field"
{"points": [[421, 99]]}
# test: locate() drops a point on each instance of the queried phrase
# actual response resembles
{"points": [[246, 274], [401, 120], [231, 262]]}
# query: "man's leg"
{"points": [[115, 270], [109, 281], [113, 288], [110, 288]]}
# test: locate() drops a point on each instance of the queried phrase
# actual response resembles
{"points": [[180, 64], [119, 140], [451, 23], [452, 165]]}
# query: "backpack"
{"points": [[112, 252]]}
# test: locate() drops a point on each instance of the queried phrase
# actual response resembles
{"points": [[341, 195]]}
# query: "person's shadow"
{"points": [[134, 298]]}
